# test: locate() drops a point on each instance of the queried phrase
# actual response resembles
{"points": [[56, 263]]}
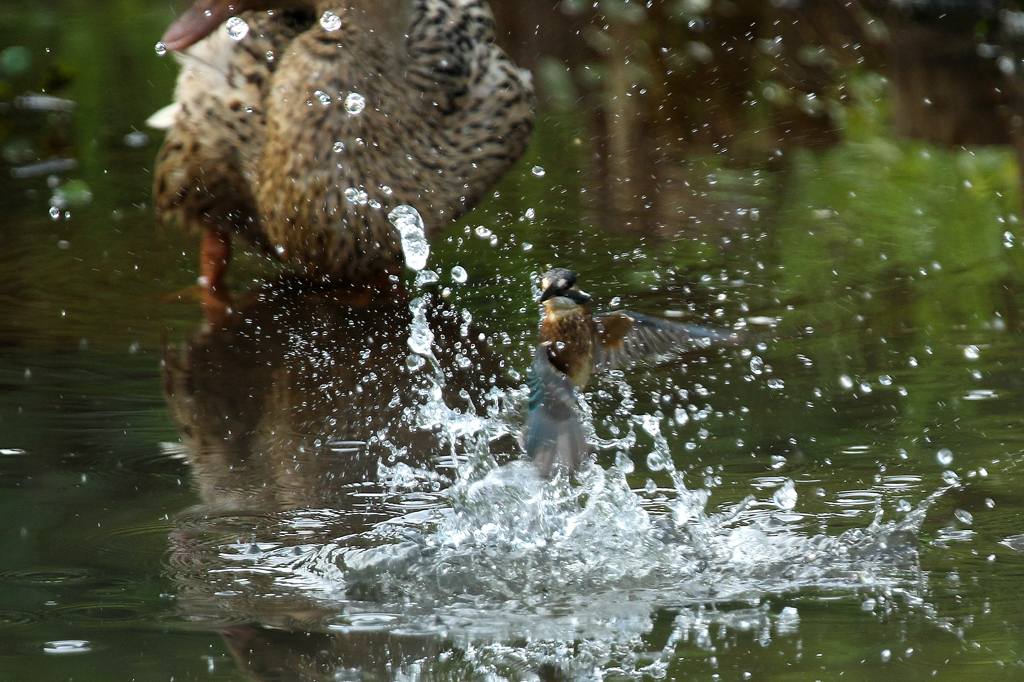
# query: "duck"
{"points": [[574, 344], [298, 125]]}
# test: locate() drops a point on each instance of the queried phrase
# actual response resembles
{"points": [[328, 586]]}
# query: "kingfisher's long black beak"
{"points": [[572, 293]]}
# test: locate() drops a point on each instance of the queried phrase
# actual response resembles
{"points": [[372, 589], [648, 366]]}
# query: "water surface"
{"points": [[300, 496]]}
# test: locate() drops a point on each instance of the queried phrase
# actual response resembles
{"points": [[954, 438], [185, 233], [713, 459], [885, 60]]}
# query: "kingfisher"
{"points": [[574, 343]]}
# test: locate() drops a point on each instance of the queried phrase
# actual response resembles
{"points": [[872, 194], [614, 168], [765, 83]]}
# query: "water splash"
{"points": [[520, 571], [503, 556]]}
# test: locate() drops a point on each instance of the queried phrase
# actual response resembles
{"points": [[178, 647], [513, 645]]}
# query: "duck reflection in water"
{"points": [[285, 415], [300, 395]]}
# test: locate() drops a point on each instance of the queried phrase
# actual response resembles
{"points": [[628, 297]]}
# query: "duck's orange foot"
{"points": [[211, 290]]}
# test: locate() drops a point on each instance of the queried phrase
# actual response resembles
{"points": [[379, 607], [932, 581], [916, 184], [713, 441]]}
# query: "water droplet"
{"points": [[785, 497], [338, 147], [681, 416], [322, 97], [355, 103], [944, 457], [425, 277], [160, 49], [413, 234], [330, 21], [354, 195], [903, 505], [54, 213], [656, 461], [459, 274], [482, 232], [846, 382], [651, 423], [414, 362], [538, 171], [886, 655], [963, 516], [972, 352], [756, 365], [237, 28], [136, 139]]}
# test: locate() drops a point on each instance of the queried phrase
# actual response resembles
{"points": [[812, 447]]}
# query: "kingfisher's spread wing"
{"points": [[554, 433], [624, 337]]}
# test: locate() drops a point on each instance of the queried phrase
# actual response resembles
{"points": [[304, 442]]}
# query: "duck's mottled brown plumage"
{"points": [[266, 148]]}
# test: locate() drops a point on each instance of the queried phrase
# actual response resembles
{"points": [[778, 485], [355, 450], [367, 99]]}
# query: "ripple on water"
{"points": [[67, 646], [365, 622], [10, 617], [49, 576], [122, 611], [130, 540]]}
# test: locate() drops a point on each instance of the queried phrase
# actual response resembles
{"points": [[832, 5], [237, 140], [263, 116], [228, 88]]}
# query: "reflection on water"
{"points": [[297, 400], [680, 92]]}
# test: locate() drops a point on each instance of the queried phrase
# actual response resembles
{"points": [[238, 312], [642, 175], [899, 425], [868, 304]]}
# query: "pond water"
{"points": [[296, 495]]}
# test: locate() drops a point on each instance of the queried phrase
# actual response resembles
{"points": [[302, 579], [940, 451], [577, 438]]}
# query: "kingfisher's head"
{"points": [[559, 290]]}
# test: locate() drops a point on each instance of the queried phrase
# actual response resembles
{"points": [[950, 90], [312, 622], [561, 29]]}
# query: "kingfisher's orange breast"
{"points": [[570, 339]]}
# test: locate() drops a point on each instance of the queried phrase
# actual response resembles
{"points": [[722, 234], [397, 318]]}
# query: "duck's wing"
{"points": [[554, 433], [624, 337]]}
